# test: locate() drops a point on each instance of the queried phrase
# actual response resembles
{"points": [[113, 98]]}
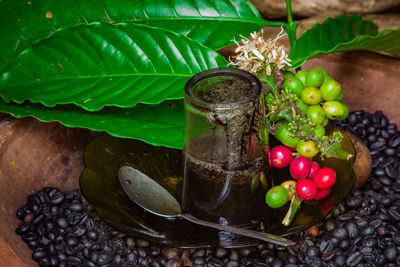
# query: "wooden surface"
{"points": [[33, 155]]}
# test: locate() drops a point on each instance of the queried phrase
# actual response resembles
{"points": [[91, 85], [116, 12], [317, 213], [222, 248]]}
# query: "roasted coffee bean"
{"points": [[20, 213], [353, 202], [50, 248], [394, 212], [352, 119], [381, 230], [62, 222], [38, 254], [385, 134], [69, 250], [389, 151], [329, 225], [75, 206], [104, 258], [359, 130], [23, 229], [379, 172], [368, 230], [232, 264], [387, 201], [326, 246], [312, 252], [57, 199], [385, 180], [352, 230], [354, 259], [370, 129], [396, 239], [198, 261], [53, 260], [72, 241], [376, 223], [340, 260], [221, 253], [378, 145], [142, 252], [391, 254], [80, 230], [344, 244], [340, 233], [369, 256], [345, 217], [369, 242], [154, 251], [89, 263], [245, 252], [74, 261], [394, 141], [92, 235], [376, 185], [94, 255]]}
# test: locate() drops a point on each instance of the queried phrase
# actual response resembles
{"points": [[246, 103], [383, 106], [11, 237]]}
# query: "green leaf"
{"points": [[101, 64], [343, 33], [161, 125], [212, 23]]}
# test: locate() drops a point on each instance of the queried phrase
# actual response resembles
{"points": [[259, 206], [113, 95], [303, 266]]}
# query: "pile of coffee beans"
{"points": [[62, 229]]}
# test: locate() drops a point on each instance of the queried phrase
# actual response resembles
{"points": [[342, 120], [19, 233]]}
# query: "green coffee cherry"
{"points": [[307, 149], [302, 106], [333, 109], [345, 113], [293, 85], [314, 78], [323, 71], [330, 90], [327, 78], [283, 134], [311, 95], [339, 97], [316, 114], [302, 75], [319, 131], [288, 74]]}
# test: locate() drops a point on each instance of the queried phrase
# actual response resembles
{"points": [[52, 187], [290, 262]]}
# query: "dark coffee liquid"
{"points": [[219, 194]]}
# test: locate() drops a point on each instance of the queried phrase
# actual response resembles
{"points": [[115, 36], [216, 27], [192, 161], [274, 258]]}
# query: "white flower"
{"points": [[256, 54]]}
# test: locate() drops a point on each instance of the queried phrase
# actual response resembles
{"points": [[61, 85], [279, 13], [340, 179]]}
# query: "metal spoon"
{"points": [[154, 198]]}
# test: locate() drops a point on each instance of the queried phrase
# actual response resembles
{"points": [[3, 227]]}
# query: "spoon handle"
{"points": [[281, 241]]}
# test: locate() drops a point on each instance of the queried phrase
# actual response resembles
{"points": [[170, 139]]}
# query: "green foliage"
{"points": [[212, 23], [160, 124], [343, 33], [100, 64], [108, 56], [108, 65]]}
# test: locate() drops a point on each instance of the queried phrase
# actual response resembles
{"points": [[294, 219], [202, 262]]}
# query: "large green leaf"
{"points": [[211, 22], [343, 33], [101, 64], [160, 124]]}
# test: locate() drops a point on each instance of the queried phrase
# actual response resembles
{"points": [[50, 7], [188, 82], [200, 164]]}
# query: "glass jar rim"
{"points": [[221, 72]]}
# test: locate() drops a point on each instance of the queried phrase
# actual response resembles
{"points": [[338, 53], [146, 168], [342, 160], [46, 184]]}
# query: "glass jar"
{"points": [[225, 161]]}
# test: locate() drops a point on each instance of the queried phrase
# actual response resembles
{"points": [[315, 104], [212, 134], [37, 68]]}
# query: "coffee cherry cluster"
{"points": [[320, 92], [303, 108]]}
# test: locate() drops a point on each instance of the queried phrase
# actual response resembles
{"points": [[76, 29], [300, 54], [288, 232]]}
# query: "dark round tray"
{"points": [[100, 185]]}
